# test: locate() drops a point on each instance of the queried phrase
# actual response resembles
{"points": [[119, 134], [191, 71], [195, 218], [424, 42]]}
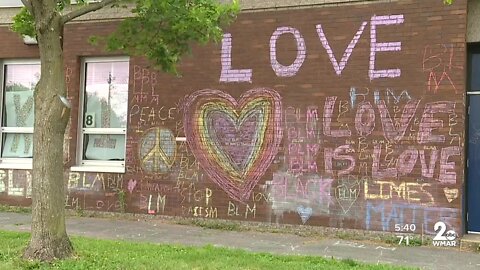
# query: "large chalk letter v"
{"points": [[346, 54], [395, 130]]}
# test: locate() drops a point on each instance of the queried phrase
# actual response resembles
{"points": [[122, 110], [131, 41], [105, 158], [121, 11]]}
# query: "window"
{"points": [[19, 80], [104, 96], [474, 71]]}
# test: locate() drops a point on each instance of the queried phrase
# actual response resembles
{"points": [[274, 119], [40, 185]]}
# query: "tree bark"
{"points": [[49, 240]]}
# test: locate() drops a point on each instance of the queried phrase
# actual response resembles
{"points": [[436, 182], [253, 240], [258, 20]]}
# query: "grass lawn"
{"points": [[103, 254]]}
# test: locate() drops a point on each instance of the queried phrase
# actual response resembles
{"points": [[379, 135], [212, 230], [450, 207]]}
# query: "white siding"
{"points": [[473, 26], [10, 3]]}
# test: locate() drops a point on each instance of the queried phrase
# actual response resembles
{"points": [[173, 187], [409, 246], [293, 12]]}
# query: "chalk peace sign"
{"points": [[157, 150]]}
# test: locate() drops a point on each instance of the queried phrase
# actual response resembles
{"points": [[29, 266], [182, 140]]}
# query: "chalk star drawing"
{"points": [[305, 213], [157, 150], [234, 141]]}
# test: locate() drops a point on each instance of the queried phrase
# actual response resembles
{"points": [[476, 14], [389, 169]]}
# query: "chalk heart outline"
{"points": [[346, 204], [305, 213], [131, 185], [199, 109], [451, 194]]}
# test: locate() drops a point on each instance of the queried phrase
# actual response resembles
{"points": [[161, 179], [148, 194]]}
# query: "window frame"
{"points": [[84, 165], [13, 162], [473, 49]]}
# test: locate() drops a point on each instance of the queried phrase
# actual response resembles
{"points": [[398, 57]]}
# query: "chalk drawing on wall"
{"points": [[288, 192], [132, 183], [347, 192], [305, 213], [234, 141], [157, 150], [439, 64], [451, 194], [2, 186]]}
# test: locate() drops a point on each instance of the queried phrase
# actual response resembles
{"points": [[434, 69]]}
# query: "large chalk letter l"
{"points": [[228, 74]]}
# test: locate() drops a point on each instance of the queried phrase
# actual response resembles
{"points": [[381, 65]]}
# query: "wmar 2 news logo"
{"points": [[444, 238]]}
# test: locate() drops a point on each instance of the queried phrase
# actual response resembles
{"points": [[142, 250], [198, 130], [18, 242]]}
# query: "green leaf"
{"points": [[23, 23], [163, 31]]}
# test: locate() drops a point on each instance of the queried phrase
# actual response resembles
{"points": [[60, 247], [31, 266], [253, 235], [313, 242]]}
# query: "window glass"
{"points": [[20, 81], [104, 147], [18, 109], [106, 95], [475, 75], [105, 100], [17, 145]]}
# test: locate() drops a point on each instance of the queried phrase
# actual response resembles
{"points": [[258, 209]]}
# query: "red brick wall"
{"points": [[368, 137]]}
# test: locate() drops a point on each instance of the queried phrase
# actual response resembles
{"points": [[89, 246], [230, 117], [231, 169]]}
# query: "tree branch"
{"points": [[85, 9], [28, 5]]}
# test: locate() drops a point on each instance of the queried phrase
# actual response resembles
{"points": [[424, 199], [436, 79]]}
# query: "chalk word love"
{"points": [[228, 74]]}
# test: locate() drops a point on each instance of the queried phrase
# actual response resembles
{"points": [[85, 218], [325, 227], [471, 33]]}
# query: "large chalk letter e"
{"points": [[383, 47]]}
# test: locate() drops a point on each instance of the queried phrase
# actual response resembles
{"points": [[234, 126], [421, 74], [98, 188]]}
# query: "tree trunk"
{"points": [[49, 239]]}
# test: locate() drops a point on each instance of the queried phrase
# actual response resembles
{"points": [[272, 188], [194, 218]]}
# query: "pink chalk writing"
{"points": [[383, 47], [365, 119], [131, 185], [302, 158], [438, 62], [302, 139], [339, 154], [291, 70], [428, 123], [446, 175], [338, 67], [391, 132], [428, 170], [327, 120], [315, 189], [228, 74], [376, 172], [406, 161]]}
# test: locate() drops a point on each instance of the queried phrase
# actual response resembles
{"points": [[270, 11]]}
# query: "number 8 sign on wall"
{"points": [[89, 120]]}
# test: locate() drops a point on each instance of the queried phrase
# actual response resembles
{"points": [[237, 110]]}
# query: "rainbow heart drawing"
{"points": [[234, 141]]}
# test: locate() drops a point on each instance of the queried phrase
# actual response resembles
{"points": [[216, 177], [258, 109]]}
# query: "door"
{"points": [[473, 184], [473, 144]]}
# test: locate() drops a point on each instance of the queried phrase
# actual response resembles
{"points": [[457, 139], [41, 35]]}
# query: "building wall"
{"points": [[349, 116], [473, 26], [6, 14]]}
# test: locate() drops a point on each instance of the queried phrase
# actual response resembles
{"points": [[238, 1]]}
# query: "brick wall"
{"points": [[350, 116]]}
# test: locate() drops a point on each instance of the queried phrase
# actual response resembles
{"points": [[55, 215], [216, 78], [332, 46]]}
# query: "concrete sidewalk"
{"points": [[158, 231]]}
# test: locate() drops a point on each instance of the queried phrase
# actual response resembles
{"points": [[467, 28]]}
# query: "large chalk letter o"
{"points": [[291, 70], [406, 161], [365, 119]]}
